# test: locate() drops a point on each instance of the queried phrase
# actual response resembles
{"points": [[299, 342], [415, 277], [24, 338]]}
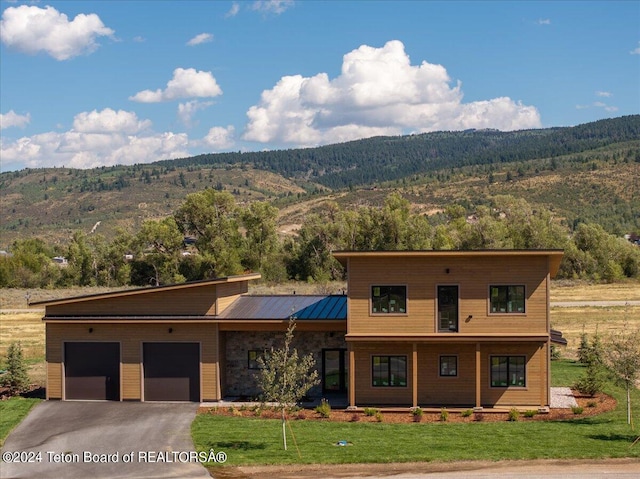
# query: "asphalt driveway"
{"points": [[96, 440]]}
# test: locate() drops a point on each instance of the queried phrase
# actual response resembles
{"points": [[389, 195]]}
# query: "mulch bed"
{"points": [[591, 406]]}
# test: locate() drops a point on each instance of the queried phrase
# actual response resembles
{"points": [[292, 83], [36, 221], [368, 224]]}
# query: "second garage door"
{"points": [[92, 370], [171, 371]]}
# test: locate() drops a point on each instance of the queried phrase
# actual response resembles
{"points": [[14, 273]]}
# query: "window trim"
{"points": [[448, 376], [395, 313], [508, 386], [507, 313], [406, 370]]}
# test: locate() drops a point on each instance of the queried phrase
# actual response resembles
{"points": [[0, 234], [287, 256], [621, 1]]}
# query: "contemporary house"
{"points": [[415, 328]]}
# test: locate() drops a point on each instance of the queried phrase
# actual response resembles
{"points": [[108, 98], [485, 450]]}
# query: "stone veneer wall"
{"points": [[241, 380]]}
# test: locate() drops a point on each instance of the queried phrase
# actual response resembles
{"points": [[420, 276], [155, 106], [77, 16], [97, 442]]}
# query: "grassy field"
{"points": [[252, 441], [584, 291]]}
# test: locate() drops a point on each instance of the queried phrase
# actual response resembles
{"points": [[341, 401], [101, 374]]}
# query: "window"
{"points": [[447, 309], [508, 371], [449, 366], [253, 355], [389, 371], [507, 299], [388, 299]]}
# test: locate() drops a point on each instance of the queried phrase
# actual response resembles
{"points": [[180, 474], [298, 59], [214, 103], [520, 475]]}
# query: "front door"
{"points": [[334, 370]]}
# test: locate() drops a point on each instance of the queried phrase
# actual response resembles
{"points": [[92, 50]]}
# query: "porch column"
{"points": [[544, 365], [352, 375], [415, 375], [478, 377]]}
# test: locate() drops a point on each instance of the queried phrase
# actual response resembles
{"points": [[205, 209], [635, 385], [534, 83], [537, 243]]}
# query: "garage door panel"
{"points": [[171, 371], [92, 371]]}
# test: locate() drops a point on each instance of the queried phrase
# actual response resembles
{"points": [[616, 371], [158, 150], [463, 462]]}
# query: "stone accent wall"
{"points": [[240, 380]]}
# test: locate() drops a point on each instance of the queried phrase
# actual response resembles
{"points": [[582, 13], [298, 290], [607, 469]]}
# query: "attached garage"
{"points": [[92, 370], [171, 371]]}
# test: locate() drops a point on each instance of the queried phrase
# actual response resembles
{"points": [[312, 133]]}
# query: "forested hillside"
{"points": [[572, 188]]}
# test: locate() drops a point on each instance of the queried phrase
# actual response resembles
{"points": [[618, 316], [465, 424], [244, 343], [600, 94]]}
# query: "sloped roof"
{"points": [[301, 307]]}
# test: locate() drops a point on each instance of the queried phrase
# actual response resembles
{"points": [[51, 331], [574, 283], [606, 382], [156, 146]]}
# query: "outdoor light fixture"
{"points": [[91, 330], [170, 330]]}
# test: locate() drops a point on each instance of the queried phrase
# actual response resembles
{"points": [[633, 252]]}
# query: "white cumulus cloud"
{"points": [[186, 83], [97, 139], [220, 138], [378, 92], [188, 109], [199, 39], [233, 11], [109, 121], [11, 119], [32, 29]]}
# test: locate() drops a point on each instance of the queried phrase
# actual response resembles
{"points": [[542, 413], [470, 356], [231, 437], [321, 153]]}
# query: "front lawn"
{"points": [[12, 412], [259, 441]]}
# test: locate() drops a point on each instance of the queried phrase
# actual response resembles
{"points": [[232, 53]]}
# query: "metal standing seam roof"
{"points": [[282, 307]]}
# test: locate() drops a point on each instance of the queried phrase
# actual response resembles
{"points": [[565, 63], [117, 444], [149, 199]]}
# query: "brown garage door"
{"points": [[92, 370], [171, 371]]}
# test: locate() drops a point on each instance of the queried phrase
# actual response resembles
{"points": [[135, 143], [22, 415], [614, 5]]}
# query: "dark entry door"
{"points": [[92, 371], [334, 370], [171, 371]]}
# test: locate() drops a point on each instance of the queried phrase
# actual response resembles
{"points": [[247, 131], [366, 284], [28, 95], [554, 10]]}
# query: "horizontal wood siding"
{"points": [[473, 275], [365, 392], [536, 376], [229, 292], [186, 301], [437, 391], [131, 337]]}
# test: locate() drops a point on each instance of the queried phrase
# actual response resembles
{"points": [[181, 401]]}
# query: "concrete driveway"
{"points": [[95, 440]]}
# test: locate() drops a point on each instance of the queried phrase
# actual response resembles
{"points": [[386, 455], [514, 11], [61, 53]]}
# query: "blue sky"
{"points": [[85, 84]]}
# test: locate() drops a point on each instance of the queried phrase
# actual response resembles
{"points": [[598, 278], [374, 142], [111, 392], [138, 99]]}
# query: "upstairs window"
{"points": [[507, 299], [388, 299]]}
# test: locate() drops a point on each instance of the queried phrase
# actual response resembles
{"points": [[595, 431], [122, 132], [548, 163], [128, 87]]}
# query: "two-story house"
{"points": [[416, 328]]}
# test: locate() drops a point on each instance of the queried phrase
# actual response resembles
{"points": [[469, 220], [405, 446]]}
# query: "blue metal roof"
{"points": [[285, 306]]}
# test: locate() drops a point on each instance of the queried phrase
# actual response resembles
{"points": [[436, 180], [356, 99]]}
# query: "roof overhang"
{"points": [[136, 291], [554, 255]]}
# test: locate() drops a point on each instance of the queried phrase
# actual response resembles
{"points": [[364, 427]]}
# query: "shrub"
{"points": [[514, 414], [324, 408], [370, 411], [478, 416], [466, 413], [530, 413], [379, 416], [16, 378], [355, 417], [577, 410], [555, 353], [593, 381], [417, 413], [592, 404], [444, 415]]}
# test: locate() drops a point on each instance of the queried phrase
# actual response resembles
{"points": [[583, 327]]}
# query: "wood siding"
{"points": [[131, 337], [366, 394], [422, 275], [228, 293], [185, 302]]}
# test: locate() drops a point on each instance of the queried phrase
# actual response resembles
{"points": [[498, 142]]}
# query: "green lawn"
{"points": [[12, 411], [258, 441]]}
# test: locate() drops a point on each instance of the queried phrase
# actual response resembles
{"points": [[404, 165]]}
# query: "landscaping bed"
{"points": [[587, 406]]}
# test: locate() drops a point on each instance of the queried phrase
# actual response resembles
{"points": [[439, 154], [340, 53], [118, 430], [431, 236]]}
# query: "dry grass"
{"points": [[574, 321], [28, 329], [583, 291]]}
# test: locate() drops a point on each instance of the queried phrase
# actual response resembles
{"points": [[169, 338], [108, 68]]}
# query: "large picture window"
{"points": [[388, 299], [507, 299], [507, 371], [389, 371]]}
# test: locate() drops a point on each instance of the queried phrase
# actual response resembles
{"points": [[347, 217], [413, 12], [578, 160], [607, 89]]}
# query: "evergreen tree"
{"points": [[16, 377]]}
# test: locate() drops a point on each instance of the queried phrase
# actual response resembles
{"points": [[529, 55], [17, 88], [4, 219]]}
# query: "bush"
{"points": [[324, 408], [466, 413], [592, 404], [370, 411], [530, 413], [444, 415], [379, 416], [417, 414], [16, 378], [514, 414], [577, 410], [592, 382]]}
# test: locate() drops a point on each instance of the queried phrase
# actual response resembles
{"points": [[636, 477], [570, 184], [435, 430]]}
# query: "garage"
{"points": [[92, 370], [171, 371]]}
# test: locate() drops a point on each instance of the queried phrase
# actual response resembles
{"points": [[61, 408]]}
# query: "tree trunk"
{"points": [[284, 431], [628, 403]]}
